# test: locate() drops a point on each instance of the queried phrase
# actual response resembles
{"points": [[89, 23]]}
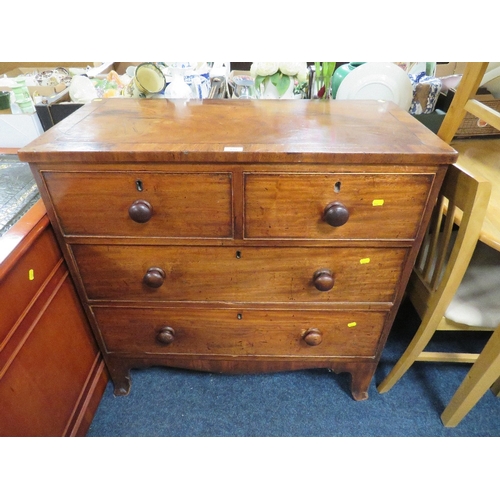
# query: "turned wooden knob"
{"points": [[323, 280], [166, 335], [140, 211], [313, 337], [154, 277], [336, 214]]}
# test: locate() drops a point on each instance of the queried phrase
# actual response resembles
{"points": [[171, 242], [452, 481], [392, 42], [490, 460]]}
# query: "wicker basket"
{"points": [[473, 126]]}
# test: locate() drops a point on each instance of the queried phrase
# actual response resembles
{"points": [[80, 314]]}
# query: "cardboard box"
{"points": [[120, 67], [57, 107], [16, 131], [449, 68], [56, 110], [34, 90], [53, 90]]}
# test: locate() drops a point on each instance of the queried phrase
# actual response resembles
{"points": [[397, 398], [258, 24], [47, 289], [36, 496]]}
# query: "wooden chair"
{"points": [[485, 373], [482, 376], [436, 279], [464, 102], [441, 265]]}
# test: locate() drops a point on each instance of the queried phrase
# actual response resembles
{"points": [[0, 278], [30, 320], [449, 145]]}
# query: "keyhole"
{"points": [[238, 254], [138, 185], [337, 187]]}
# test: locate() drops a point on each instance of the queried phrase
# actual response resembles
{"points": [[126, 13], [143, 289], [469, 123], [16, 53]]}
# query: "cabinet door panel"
{"points": [[46, 366], [22, 283]]}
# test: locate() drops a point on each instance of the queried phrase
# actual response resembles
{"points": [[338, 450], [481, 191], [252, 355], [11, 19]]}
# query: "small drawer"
{"points": [[229, 332], [247, 274], [335, 206], [142, 204]]}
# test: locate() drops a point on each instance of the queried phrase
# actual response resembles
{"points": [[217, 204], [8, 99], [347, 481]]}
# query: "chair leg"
{"points": [[417, 345], [495, 388], [484, 372]]}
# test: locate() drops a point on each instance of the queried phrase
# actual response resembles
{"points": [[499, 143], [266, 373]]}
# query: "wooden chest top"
{"points": [[235, 131]]}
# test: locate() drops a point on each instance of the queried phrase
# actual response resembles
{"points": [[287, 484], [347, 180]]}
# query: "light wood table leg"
{"points": [[484, 372]]}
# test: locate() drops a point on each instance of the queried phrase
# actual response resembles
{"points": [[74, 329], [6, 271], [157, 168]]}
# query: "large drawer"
{"points": [[228, 332], [377, 206], [248, 274], [166, 204]]}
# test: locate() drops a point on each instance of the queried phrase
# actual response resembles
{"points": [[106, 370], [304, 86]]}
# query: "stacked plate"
{"points": [[377, 81]]}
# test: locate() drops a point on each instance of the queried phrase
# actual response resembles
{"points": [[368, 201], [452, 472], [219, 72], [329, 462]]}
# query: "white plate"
{"points": [[377, 81]]}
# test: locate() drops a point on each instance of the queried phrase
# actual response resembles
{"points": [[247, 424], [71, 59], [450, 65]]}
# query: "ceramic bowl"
{"points": [[149, 79]]}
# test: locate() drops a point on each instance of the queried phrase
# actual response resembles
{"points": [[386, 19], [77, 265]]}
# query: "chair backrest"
{"points": [[447, 249], [464, 102]]}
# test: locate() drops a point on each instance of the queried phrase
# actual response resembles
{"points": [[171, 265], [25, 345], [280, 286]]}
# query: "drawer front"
{"points": [[249, 274], [377, 206], [142, 204], [247, 332]]}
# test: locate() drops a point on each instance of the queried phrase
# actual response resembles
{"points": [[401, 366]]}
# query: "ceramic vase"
{"points": [[340, 73]]}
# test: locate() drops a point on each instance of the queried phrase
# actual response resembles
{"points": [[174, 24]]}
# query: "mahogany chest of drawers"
{"points": [[240, 236]]}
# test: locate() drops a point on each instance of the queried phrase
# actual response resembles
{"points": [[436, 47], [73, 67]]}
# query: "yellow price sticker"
{"points": [[31, 274], [365, 260], [377, 203], [352, 324]]}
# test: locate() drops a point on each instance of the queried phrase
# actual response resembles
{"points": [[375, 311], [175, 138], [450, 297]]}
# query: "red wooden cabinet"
{"points": [[52, 375]]}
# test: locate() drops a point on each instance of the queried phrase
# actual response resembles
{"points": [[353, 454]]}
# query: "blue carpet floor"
{"points": [[308, 403]]}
